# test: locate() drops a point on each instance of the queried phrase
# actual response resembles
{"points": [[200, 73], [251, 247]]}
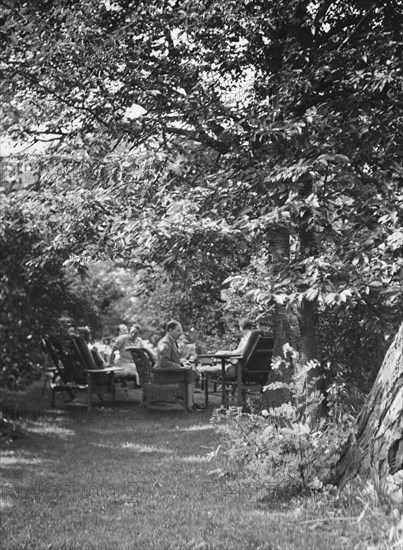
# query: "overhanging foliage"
{"points": [[186, 133]]}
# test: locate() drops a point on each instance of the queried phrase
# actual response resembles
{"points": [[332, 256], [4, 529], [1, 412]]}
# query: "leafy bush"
{"points": [[284, 449], [354, 346], [36, 297]]}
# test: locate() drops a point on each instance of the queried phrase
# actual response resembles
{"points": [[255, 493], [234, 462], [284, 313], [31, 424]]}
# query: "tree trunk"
{"points": [[283, 329], [295, 326], [376, 442], [309, 344], [310, 349]]}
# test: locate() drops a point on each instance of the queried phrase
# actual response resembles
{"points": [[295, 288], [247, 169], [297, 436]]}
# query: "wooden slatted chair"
{"points": [[100, 380], [159, 385], [254, 365], [76, 370], [61, 372]]}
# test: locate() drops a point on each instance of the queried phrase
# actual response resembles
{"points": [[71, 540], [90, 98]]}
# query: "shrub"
{"points": [[285, 449]]}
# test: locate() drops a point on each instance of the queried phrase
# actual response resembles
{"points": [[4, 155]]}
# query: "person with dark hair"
{"points": [[246, 327], [169, 357], [122, 329]]}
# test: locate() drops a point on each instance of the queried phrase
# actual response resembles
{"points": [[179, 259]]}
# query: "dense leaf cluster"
{"points": [[184, 135]]}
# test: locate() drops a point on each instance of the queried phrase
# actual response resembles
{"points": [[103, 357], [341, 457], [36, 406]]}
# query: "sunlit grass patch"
{"points": [[11, 458], [5, 504], [139, 448], [49, 428], [195, 428], [7, 461]]}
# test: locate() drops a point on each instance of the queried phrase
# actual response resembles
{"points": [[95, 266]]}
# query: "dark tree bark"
{"points": [[284, 329], [376, 443], [295, 326], [309, 345]]}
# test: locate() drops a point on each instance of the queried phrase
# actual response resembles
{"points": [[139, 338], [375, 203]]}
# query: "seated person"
{"points": [[125, 359], [247, 328], [122, 329], [168, 357]]}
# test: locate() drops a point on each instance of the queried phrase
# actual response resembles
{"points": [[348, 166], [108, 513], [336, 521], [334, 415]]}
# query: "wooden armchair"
{"points": [[76, 370], [253, 369], [159, 385], [60, 374]]}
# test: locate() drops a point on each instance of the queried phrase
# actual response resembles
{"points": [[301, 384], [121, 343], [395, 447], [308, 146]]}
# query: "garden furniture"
{"points": [[159, 385], [253, 368], [76, 370]]}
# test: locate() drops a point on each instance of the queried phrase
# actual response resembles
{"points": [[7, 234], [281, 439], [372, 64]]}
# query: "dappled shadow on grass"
{"points": [[15, 486], [163, 408], [124, 477], [122, 472]]}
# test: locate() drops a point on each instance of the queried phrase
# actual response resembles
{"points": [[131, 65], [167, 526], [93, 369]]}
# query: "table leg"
{"points": [[112, 384], [186, 403], [239, 381], [89, 391], [47, 375], [223, 389]]}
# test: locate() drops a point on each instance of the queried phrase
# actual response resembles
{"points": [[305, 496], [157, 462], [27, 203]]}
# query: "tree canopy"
{"points": [[185, 134]]}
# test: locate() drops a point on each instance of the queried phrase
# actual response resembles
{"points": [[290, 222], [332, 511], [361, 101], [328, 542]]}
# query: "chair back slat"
{"points": [[54, 353], [257, 364], [83, 353], [99, 362], [66, 362], [250, 348]]}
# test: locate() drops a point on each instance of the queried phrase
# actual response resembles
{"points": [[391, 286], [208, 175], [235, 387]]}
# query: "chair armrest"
{"points": [[106, 370], [168, 370], [215, 356]]}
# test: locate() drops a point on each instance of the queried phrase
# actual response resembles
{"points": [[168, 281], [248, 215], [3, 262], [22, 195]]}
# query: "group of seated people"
{"points": [[169, 354]]}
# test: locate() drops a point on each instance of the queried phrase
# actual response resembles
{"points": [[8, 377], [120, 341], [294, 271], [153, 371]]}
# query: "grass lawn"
{"points": [[127, 478]]}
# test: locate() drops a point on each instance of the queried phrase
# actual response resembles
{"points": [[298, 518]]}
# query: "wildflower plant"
{"points": [[286, 448]]}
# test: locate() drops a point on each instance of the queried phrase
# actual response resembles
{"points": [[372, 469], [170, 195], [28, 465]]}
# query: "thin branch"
{"points": [[64, 100], [357, 28], [321, 13], [200, 136]]}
